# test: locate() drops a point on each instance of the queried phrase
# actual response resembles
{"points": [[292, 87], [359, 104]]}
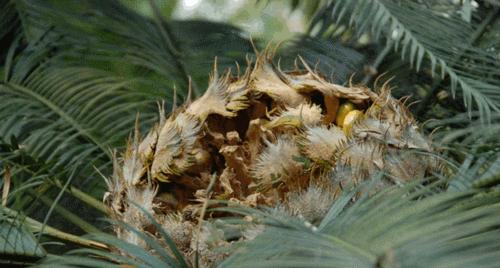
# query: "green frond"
{"points": [[389, 228], [164, 255], [70, 116], [329, 57], [410, 28], [77, 76], [472, 149], [18, 245], [107, 35], [9, 28]]}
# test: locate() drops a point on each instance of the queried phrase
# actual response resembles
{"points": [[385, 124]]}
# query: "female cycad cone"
{"points": [[269, 138]]}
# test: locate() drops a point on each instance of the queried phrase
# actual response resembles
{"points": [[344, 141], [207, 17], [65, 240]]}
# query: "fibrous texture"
{"points": [[284, 139]]}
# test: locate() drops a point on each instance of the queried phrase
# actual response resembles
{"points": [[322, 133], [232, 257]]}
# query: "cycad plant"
{"points": [[370, 140]]}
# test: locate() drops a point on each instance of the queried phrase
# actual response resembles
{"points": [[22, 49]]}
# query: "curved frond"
{"points": [[329, 57], [17, 243], [9, 27], [410, 28], [164, 255], [474, 146], [389, 228], [70, 116], [106, 34]]}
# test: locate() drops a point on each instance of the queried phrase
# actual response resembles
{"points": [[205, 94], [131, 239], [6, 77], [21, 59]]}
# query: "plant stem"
{"points": [[36, 226], [68, 215], [84, 197], [202, 216], [353, 248]]}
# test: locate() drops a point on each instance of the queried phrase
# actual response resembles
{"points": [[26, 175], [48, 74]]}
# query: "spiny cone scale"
{"points": [[269, 138]]}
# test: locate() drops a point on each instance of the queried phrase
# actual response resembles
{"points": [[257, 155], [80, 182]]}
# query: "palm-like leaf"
{"points": [[409, 226], [67, 115], [410, 28], [105, 32], [9, 27], [474, 145], [163, 256], [330, 58], [18, 245], [9, 19], [393, 228], [51, 110]]}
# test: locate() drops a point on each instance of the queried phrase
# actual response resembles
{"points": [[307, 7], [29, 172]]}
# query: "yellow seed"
{"points": [[349, 120], [344, 109]]}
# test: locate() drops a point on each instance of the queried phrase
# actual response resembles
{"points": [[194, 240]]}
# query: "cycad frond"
{"points": [[474, 146], [410, 28], [389, 228], [9, 27], [67, 115], [18, 244], [329, 57], [106, 32]]}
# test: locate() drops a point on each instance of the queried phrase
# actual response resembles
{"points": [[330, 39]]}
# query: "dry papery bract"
{"points": [[271, 138]]}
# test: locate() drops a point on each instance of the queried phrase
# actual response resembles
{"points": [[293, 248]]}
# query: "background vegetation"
{"points": [[75, 75]]}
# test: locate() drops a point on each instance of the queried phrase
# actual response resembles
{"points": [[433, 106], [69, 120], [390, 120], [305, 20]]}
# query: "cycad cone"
{"points": [[238, 138]]}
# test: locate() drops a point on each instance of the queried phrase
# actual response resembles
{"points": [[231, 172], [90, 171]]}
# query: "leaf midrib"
{"points": [[54, 107]]}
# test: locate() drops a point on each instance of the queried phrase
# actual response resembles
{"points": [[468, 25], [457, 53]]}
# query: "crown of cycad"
{"points": [[286, 139]]}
